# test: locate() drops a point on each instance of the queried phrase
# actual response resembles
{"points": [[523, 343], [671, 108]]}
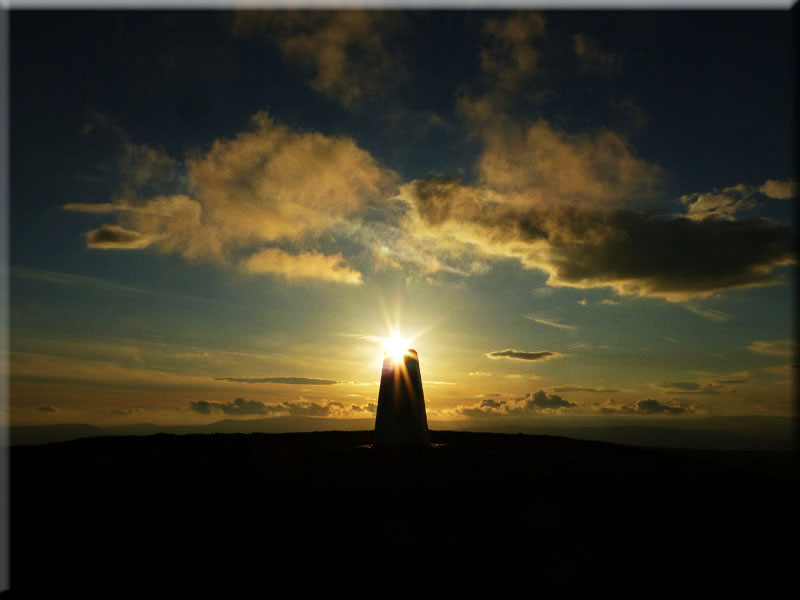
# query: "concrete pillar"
{"points": [[401, 421]]}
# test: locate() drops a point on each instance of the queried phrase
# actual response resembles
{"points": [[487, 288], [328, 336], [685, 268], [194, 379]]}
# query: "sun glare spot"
{"points": [[396, 347]]}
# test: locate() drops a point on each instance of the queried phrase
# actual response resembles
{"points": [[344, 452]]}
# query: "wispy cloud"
{"points": [[673, 340], [688, 387], [773, 347], [551, 323], [283, 380], [575, 388], [82, 280], [708, 313]]}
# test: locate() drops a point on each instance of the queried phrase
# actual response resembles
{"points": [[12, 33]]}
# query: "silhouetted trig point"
{"points": [[401, 421]]}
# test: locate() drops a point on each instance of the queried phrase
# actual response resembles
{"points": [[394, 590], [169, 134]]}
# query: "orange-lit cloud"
{"points": [[727, 202], [773, 347], [306, 265], [782, 190], [345, 50], [592, 55]]}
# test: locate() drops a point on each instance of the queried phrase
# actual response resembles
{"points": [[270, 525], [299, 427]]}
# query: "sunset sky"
{"points": [[221, 214]]}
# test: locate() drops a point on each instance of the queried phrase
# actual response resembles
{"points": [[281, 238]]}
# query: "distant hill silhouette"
{"points": [[721, 433], [319, 513]]}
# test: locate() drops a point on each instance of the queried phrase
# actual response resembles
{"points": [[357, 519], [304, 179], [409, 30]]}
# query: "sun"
{"points": [[396, 346]]}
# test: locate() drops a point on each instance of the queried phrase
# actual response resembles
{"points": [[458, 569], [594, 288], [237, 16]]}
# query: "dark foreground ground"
{"points": [[316, 513]]}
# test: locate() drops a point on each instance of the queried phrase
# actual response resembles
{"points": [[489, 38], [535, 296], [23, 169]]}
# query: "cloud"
{"points": [[708, 313], [312, 409], [542, 400], [645, 407], [783, 370], [240, 407], [573, 388], [114, 237], [123, 411], [508, 55], [782, 190], [192, 355], [688, 387], [285, 380], [479, 374], [306, 265], [539, 165], [726, 203], [489, 403], [90, 207], [508, 60], [345, 49], [551, 323], [609, 302], [370, 407], [271, 199], [773, 347], [530, 403], [653, 407], [719, 205], [47, 409], [630, 251], [523, 355], [592, 55], [268, 186]]}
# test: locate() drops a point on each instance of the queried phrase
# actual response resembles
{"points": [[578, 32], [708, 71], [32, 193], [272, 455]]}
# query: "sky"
{"points": [[224, 214]]}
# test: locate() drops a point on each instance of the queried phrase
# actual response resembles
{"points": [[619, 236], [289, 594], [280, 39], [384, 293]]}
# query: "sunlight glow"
{"points": [[396, 347]]}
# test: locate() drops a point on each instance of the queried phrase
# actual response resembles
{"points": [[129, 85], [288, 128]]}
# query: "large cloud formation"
{"points": [[634, 253], [302, 205], [267, 186]]}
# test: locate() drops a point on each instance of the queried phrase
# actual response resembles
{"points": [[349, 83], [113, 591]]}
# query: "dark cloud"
{"points": [[522, 355], [115, 237], [312, 409], [634, 252], [648, 255], [489, 403], [286, 380], [240, 406], [542, 400], [123, 411], [47, 409], [730, 381], [645, 407], [573, 388], [530, 403], [371, 407], [654, 407]]}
